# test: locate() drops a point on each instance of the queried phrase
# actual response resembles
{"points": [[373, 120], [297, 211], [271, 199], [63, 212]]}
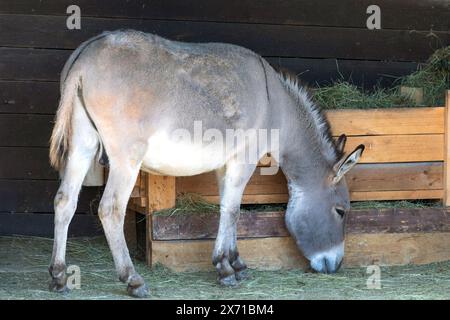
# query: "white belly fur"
{"points": [[168, 157]]}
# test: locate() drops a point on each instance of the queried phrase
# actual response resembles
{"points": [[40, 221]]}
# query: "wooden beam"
{"points": [[396, 195], [387, 121], [282, 252], [264, 254], [446, 198], [161, 192], [160, 195], [38, 31], [415, 14], [399, 148], [195, 226], [387, 181]]}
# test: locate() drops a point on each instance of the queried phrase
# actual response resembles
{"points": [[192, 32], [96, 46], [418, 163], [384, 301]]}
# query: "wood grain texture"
{"points": [[399, 14], [161, 192], [366, 182], [263, 254], [42, 225], [447, 150], [396, 195], [282, 253], [396, 121], [36, 196], [28, 97], [198, 226], [399, 148], [24, 130], [32, 64], [278, 40], [26, 163], [354, 196], [46, 64]]}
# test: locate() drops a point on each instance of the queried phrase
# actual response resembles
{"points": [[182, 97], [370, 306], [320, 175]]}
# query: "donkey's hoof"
{"points": [[228, 281], [240, 269], [56, 286], [242, 275], [138, 292]]}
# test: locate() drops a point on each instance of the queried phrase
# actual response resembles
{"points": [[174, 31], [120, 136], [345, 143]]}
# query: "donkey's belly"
{"points": [[168, 157]]}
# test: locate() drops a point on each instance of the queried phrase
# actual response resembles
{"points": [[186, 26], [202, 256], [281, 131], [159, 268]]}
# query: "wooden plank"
{"points": [[399, 148], [25, 163], [398, 220], [204, 226], [400, 14], [42, 225], [161, 192], [46, 65], [160, 195], [354, 196], [278, 40], [255, 198], [446, 197], [36, 196], [387, 121], [396, 195], [387, 181], [396, 176], [143, 189], [21, 130], [366, 74], [197, 226], [263, 253], [396, 248], [32, 64], [28, 97], [282, 253]]}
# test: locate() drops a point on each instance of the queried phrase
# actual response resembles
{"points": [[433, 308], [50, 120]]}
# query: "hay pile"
{"points": [[191, 203], [24, 261], [433, 77], [188, 203]]}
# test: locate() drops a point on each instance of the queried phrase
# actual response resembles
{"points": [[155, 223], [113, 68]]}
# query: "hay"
{"points": [[433, 77], [23, 275], [191, 203], [187, 203], [343, 95], [401, 204]]}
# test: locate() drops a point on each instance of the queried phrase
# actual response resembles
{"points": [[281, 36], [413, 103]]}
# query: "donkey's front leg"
{"points": [[112, 210], [232, 181]]}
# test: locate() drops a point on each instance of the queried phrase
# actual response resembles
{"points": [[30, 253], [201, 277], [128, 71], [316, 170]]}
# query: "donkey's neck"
{"points": [[309, 151]]}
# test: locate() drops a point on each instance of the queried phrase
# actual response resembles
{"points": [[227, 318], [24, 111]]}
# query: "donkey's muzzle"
{"points": [[328, 261], [326, 265]]}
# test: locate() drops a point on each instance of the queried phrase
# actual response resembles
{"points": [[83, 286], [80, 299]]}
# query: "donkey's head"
{"points": [[316, 214]]}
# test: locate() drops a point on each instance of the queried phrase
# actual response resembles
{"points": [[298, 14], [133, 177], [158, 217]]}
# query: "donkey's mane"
{"points": [[316, 116]]}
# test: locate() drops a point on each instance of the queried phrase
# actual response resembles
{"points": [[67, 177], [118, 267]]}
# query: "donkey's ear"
{"points": [[340, 143], [344, 166]]}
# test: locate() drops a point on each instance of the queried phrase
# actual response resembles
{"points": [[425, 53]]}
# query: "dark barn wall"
{"points": [[311, 38]]}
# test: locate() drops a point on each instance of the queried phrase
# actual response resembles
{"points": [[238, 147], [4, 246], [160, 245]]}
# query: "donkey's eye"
{"points": [[340, 212]]}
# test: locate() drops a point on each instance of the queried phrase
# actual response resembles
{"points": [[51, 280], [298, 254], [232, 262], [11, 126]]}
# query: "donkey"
{"points": [[122, 95]]}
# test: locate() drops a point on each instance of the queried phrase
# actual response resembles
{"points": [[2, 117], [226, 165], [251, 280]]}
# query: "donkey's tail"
{"points": [[62, 130]]}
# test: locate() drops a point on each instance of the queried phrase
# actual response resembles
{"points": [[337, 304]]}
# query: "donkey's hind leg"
{"points": [[83, 149], [121, 179], [232, 182]]}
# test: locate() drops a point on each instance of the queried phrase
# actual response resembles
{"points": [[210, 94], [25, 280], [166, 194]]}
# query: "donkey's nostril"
{"points": [[326, 264], [328, 261]]}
